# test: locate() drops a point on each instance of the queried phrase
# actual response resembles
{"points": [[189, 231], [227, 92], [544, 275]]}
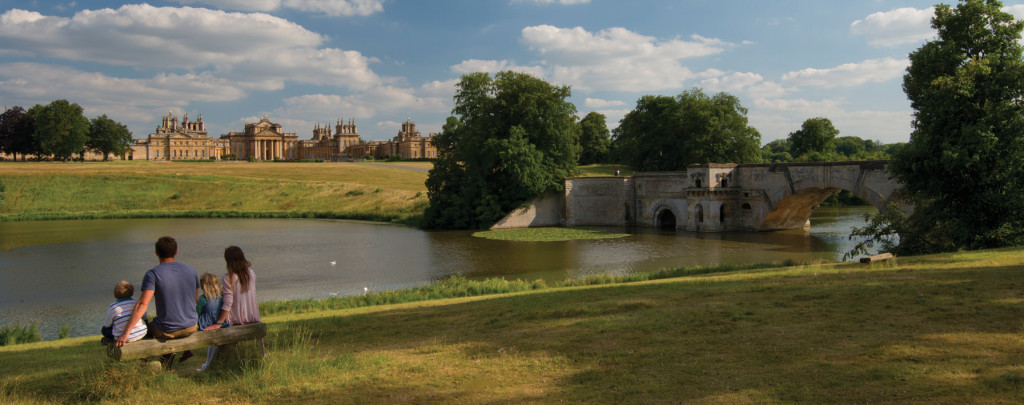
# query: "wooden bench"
{"points": [[144, 348]]}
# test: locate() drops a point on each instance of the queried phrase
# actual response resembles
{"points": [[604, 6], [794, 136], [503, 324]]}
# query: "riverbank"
{"points": [[143, 189], [929, 329]]}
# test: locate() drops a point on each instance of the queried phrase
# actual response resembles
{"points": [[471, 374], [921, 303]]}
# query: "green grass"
{"points": [[97, 190], [598, 170], [929, 329], [546, 234]]}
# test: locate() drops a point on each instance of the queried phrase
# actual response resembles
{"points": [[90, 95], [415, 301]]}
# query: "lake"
{"points": [[63, 272]]}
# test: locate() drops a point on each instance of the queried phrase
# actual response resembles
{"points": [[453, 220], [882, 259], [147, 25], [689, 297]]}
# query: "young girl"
{"points": [[209, 303], [208, 308]]}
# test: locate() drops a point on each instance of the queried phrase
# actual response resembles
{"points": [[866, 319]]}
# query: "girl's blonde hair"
{"points": [[210, 285]]}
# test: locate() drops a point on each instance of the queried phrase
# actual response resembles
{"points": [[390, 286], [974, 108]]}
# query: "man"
{"points": [[174, 287]]}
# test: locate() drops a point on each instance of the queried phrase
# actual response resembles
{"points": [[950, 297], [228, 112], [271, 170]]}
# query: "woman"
{"points": [[239, 305]]}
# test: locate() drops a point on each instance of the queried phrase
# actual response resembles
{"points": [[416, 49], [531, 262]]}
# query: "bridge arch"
{"points": [[806, 186], [665, 218]]}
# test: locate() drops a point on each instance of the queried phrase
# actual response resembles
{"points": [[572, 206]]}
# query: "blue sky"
{"points": [[303, 62]]}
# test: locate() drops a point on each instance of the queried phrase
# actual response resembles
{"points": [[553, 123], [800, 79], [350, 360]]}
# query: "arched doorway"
{"points": [[665, 219]]}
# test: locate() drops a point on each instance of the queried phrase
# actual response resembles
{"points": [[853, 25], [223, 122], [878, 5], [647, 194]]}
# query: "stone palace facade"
{"points": [[266, 140]]}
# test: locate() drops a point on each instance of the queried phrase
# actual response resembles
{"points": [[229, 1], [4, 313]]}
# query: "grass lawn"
{"points": [[929, 329], [143, 188]]}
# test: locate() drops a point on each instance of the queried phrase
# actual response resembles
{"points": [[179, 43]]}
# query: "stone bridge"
{"points": [[710, 197]]}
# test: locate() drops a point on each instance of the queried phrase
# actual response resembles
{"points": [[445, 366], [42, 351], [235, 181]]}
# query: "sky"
{"points": [[380, 62]]}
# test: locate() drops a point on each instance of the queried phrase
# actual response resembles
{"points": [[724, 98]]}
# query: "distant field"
{"points": [[146, 189]]}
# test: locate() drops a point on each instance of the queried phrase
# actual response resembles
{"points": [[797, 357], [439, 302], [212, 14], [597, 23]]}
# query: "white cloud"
{"points": [[776, 118], [332, 8], [143, 35], [599, 103], [616, 58], [259, 51], [751, 84], [895, 27], [1016, 10], [494, 66], [850, 74]]}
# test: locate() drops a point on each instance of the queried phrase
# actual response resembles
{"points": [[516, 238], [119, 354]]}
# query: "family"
{"points": [[185, 302]]}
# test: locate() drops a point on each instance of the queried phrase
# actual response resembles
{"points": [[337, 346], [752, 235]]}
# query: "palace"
{"points": [[174, 141], [327, 147], [265, 140], [408, 144]]}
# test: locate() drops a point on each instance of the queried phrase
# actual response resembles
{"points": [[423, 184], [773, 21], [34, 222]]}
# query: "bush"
{"points": [[12, 335]]}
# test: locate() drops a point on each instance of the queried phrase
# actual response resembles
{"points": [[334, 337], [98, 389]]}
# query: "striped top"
{"points": [[241, 305], [118, 314]]}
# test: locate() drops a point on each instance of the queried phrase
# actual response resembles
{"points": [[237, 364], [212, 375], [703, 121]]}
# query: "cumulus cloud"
{"points": [[332, 8], [850, 74], [776, 118], [258, 50], [599, 103], [616, 58], [494, 66], [102, 94], [751, 84], [895, 27]]}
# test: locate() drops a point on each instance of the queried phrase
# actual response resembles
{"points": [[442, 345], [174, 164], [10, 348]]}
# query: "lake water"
{"points": [[63, 272]]}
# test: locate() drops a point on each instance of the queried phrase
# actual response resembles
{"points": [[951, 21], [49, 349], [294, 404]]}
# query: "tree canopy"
{"points": [[61, 128], [594, 139], [963, 168], [816, 135], [664, 133], [17, 133], [107, 136], [511, 138]]}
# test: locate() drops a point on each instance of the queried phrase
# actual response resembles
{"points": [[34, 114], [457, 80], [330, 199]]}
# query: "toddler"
{"points": [[120, 312]]}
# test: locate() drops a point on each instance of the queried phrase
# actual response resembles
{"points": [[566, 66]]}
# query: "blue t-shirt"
{"points": [[174, 287]]}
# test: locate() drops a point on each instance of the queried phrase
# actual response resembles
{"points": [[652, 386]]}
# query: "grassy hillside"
{"points": [[929, 329], [147, 189]]}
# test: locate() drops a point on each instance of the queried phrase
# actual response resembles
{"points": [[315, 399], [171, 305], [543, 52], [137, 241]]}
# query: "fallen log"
{"points": [[876, 258], [152, 347]]}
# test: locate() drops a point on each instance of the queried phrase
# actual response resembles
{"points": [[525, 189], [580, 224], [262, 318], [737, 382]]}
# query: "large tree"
{"points": [[666, 133], [815, 135], [595, 139], [963, 168], [107, 136], [17, 133], [61, 128], [512, 138]]}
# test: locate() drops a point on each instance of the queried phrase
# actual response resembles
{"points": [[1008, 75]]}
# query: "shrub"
{"points": [[12, 335]]}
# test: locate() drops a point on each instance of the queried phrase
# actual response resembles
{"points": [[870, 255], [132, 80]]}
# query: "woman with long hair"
{"points": [[239, 305]]}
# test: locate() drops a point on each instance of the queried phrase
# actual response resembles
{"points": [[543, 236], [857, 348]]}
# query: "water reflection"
{"points": [[63, 272]]}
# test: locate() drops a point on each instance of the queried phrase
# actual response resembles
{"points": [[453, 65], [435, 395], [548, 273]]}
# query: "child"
{"points": [[120, 312], [208, 309], [209, 303]]}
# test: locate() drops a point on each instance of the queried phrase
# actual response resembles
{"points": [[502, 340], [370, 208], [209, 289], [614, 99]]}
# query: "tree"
{"points": [[963, 168], [665, 133], [511, 138], [594, 139], [61, 128], [17, 128], [776, 151], [815, 135], [107, 136]]}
